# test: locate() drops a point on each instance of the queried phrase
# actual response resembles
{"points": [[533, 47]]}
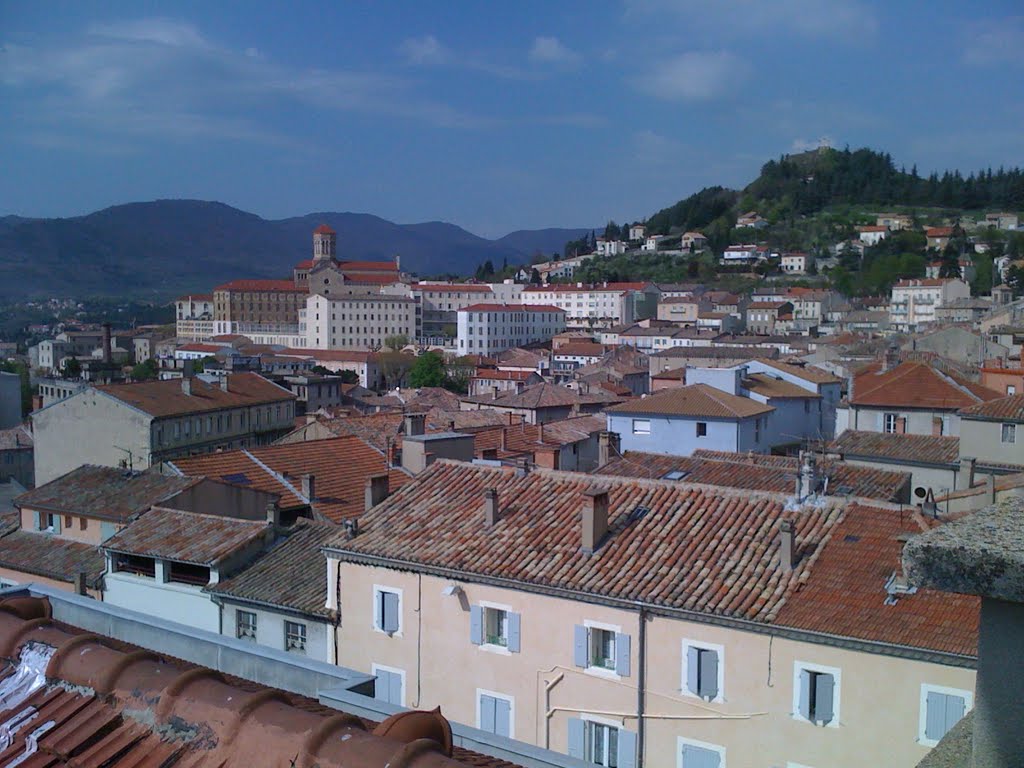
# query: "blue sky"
{"points": [[494, 116]]}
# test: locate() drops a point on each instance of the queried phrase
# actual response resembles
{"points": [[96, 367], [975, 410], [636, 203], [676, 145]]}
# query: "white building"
{"points": [[194, 317], [487, 329], [796, 263], [740, 254], [585, 306], [872, 235], [358, 321], [914, 301], [637, 232], [611, 247]]}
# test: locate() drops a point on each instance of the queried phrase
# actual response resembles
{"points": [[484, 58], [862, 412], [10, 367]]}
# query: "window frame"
{"points": [[375, 670], [378, 590], [701, 645], [480, 693], [885, 422], [288, 624], [1007, 428], [683, 741], [836, 672], [701, 430], [239, 613], [592, 668], [493, 609], [922, 723], [590, 724], [637, 429]]}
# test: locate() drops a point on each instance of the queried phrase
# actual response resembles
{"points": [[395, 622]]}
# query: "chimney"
{"points": [[224, 383], [273, 513], [808, 475], [186, 385], [595, 518], [376, 491], [891, 358], [492, 510], [965, 473], [503, 440], [540, 432], [309, 487], [108, 354], [786, 546], [79, 583], [188, 369], [519, 387], [607, 447], [494, 392], [415, 423], [990, 488]]}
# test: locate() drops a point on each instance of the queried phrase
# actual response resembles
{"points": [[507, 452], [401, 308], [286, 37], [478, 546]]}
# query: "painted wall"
{"points": [[879, 696], [919, 422], [983, 440], [270, 630], [939, 479], [677, 436], [183, 603]]}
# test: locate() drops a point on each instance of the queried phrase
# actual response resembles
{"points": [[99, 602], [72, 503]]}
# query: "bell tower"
{"points": [[325, 244]]}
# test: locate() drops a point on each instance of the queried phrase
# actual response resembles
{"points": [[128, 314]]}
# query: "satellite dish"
{"points": [[920, 492]]}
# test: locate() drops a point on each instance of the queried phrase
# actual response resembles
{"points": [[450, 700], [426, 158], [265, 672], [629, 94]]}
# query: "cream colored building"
{"points": [[914, 301], [631, 622], [358, 320]]}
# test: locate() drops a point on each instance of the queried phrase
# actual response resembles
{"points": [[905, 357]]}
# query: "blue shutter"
{"points": [[824, 685], [106, 530], [487, 709], [708, 674], [576, 738], [622, 654], [513, 632], [935, 715], [395, 692], [382, 685], [389, 619], [56, 523], [476, 625], [39, 520], [699, 757], [627, 749], [693, 670], [955, 707], [579, 646], [502, 717], [805, 694]]}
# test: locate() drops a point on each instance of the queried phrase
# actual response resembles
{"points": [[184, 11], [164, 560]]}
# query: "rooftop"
{"points": [[916, 384], [542, 395], [694, 400], [1009, 408], [261, 286], [49, 556], [167, 398], [15, 438], [776, 388], [484, 307], [914, 449], [806, 372]]}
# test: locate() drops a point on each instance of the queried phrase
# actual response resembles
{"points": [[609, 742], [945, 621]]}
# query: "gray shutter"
{"points": [[622, 654], [576, 738], [476, 625], [955, 707], [502, 717], [823, 689], [513, 632], [57, 519], [395, 692], [382, 685], [935, 715], [699, 757], [708, 674], [627, 749], [487, 713], [106, 530], [805, 694], [693, 670], [389, 622], [39, 520], [579, 646]]}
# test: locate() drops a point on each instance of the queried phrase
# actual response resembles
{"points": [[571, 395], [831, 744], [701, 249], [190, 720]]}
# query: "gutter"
{"points": [[790, 633]]}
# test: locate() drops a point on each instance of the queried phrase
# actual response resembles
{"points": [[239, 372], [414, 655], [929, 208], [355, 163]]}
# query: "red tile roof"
{"points": [[323, 229], [196, 297], [579, 349], [1003, 409], [695, 400], [845, 594], [923, 282], [939, 232], [339, 465], [261, 286], [916, 384], [166, 398], [713, 550], [492, 374], [452, 288], [925, 449], [542, 395], [53, 557]]}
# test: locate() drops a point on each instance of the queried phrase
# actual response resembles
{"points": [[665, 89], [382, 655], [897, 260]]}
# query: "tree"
{"points": [[427, 371], [1015, 279], [393, 367], [71, 368], [397, 342], [320, 370], [348, 377], [145, 370], [534, 277], [198, 366]]}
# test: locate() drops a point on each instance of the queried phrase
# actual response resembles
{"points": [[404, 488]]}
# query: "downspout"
{"points": [[641, 689], [337, 611]]}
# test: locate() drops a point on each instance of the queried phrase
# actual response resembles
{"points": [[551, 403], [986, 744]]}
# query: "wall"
{"points": [[270, 629], [182, 603], [92, 534], [879, 698], [983, 441], [18, 464], [918, 422], [939, 479], [677, 437], [216, 498]]}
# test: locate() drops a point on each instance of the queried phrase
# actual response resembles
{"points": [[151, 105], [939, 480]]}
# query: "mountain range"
{"points": [[162, 248]]}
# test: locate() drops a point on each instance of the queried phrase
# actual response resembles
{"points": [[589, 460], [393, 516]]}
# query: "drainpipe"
{"points": [[641, 689]]}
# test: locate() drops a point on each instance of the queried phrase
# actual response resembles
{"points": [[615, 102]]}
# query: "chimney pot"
{"points": [[595, 519], [79, 583], [377, 490], [786, 546], [492, 510], [415, 423], [966, 472], [607, 444]]}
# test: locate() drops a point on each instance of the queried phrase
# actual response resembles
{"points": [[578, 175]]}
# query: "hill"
{"points": [[161, 248]]}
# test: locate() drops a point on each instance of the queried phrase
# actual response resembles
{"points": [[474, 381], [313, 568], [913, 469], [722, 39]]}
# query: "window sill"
{"points": [[500, 650], [608, 674]]}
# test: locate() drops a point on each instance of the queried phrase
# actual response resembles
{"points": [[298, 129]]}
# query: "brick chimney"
{"points": [[787, 547], [376, 490], [492, 510], [186, 385], [309, 487], [594, 519], [546, 457], [607, 447], [108, 352], [891, 358]]}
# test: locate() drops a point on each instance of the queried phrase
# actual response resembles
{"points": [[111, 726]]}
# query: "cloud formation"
{"points": [[551, 50], [695, 76], [995, 42], [426, 50]]}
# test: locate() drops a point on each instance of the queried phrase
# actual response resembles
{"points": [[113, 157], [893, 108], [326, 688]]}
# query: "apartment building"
{"points": [[764, 316], [141, 424], [914, 301], [358, 320], [194, 317], [440, 303], [245, 305], [584, 306], [487, 329], [567, 623]]}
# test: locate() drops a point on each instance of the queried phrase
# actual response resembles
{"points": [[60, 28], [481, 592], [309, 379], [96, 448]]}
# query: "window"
{"points": [[641, 426], [387, 610], [494, 626], [816, 694], [602, 743], [757, 430], [494, 713], [602, 648], [1009, 433], [186, 573], [245, 625], [140, 566], [702, 429], [702, 670], [889, 423], [941, 709], [389, 685], [1011, 389], [294, 637], [698, 754]]}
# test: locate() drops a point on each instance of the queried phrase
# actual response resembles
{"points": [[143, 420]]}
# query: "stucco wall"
{"points": [[936, 478], [270, 629], [183, 603], [677, 437], [983, 441], [919, 422]]}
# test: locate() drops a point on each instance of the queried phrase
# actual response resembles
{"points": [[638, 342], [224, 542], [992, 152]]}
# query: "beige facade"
{"points": [[992, 441], [679, 310], [751, 721], [359, 320]]}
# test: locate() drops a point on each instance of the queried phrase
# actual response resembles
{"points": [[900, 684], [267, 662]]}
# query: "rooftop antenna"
{"points": [[131, 467]]}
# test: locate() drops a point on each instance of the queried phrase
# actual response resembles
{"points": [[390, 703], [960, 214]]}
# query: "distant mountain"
{"points": [[161, 248], [546, 241]]}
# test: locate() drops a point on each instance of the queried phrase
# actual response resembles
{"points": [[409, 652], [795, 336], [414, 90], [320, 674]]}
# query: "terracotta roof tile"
{"points": [[695, 400], [771, 387], [925, 449], [916, 384], [1004, 409], [166, 398], [542, 395], [52, 557]]}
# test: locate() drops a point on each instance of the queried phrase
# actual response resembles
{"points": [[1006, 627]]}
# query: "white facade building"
{"points": [[914, 301], [611, 247], [358, 321], [584, 306], [872, 235], [487, 329]]}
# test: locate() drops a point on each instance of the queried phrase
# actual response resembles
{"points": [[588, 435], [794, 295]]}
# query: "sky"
{"points": [[495, 116]]}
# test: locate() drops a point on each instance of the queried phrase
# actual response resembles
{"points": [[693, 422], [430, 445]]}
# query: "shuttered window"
{"points": [[598, 648], [602, 744], [941, 709], [701, 672], [494, 627], [693, 756], [389, 686], [495, 715], [817, 696], [387, 612]]}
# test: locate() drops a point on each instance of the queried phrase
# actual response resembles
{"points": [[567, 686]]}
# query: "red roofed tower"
{"points": [[325, 243]]}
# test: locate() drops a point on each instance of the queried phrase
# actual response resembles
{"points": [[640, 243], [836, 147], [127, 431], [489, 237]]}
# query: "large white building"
{"points": [[358, 320], [914, 301], [585, 306], [194, 317], [487, 329]]}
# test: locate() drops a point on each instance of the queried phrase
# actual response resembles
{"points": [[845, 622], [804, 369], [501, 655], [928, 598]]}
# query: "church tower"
{"points": [[325, 244]]}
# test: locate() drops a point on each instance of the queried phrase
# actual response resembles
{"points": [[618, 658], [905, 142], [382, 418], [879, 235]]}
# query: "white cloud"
{"points": [[162, 31], [695, 76], [995, 42], [426, 50], [551, 50]]}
